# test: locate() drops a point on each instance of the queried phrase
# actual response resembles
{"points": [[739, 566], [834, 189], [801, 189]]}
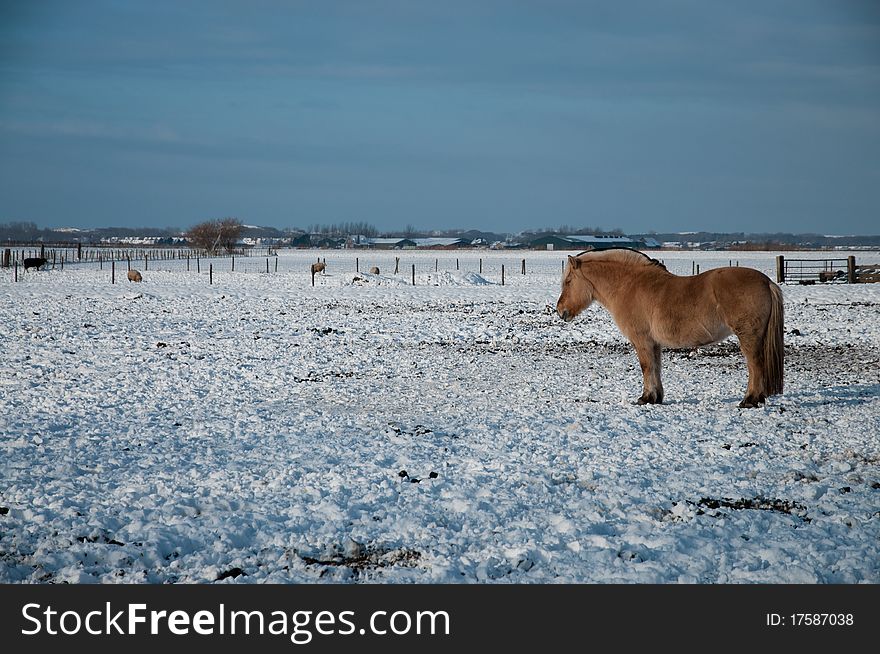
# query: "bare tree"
{"points": [[214, 235]]}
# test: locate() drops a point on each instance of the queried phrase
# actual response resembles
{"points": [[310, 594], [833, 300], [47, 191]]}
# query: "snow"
{"points": [[455, 431]]}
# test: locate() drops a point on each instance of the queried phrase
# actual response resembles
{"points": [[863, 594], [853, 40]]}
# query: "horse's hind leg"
{"points": [[649, 360], [753, 349]]}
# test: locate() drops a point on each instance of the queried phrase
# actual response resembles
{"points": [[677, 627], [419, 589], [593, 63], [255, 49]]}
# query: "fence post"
{"points": [[233, 263], [698, 269], [267, 265], [357, 264], [210, 273], [456, 263], [276, 262], [435, 265], [16, 270], [523, 266], [851, 269], [414, 274], [198, 267], [396, 264], [7, 256], [502, 274], [112, 272], [481, 265], [145, 261], [780, 269]]}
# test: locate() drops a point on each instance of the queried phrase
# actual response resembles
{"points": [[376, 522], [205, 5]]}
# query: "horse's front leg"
{"points": [[649, 360]]}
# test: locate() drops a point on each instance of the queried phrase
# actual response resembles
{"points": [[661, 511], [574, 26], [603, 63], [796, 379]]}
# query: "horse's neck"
{"points": [[612, 282]]}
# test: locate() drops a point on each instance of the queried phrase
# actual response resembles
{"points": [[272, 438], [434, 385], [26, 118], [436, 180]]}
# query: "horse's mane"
{"points": [[623, 255]]}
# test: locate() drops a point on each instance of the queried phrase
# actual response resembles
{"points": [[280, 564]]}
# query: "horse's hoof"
{"points": [[750, 404]]}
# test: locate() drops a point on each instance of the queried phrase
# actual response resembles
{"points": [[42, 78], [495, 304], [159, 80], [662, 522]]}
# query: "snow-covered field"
{"points": [[366, 430]]}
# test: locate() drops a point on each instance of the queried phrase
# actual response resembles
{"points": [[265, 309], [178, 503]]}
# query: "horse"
{"points": [[654, 309], [134, 276], [318, 267], [374, 270], [34, 262]]}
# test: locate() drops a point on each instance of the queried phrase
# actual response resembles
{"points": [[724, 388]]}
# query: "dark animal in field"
{"points": [[374, 270], [34, 262], [135, 276], [318, 267], [654, 308]]}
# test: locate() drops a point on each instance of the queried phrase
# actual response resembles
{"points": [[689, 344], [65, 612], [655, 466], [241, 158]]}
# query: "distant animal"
{"points": [[374, 270], [318, 267], [135, 276], [34, 262], [654, 308], [830, 275]]}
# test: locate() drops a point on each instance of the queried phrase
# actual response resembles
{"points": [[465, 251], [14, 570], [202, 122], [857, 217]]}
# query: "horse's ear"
{"points": [[574, 262]]}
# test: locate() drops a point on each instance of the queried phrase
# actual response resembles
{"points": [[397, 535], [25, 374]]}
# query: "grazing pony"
{"points": [[134, 276], [318, 267], [654, 308], [34, 262]]}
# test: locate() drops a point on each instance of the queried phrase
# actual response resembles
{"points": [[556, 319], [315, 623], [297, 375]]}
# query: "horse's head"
{"points": [[577, 291]]}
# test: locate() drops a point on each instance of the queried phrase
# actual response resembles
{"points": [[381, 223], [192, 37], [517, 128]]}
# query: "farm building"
{"points": [[583, 242], [389, 243], [442, 243]]}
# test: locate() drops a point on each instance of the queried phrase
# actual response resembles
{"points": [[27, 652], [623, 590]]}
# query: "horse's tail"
{"points": [[774, 346]]}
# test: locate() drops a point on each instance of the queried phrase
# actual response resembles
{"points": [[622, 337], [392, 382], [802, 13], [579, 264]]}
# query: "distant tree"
{"points": [[215, 235]]}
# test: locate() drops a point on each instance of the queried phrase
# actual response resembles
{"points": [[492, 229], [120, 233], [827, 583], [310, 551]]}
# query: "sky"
{"points": [[684, 115]]}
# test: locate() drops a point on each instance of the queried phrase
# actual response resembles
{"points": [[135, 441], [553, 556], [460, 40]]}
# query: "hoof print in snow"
{"points": [[161, 344], [418, 430], [233, 572], [4, 510], [402, 473], [433, 475], [845, 489], [758, 504], [357, 557], [794, 332]]}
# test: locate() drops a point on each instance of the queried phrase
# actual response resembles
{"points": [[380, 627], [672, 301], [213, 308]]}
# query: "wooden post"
{"points": [[481, 265], [357, 264], [198, 267], [79, 250], [780, 269], [502, 274], [62, 262], [276, 262], [127, 259], [851, 269], [523, 266], [313, 277], [210, 273], [16, 270], [187, 263], [435, 265], [414, 274], [101, 261], [456, 263], [396, 264], [233, 263], [698, 269], [112, 272], [267, 265], [693, 267], [145, 261], [7, 257]]}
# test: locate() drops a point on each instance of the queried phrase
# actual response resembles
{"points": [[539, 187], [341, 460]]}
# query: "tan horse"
{"points": [[654, 308]]}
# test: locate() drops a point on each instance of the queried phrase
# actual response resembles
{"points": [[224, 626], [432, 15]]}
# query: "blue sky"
{"points": [[679, 115]]}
